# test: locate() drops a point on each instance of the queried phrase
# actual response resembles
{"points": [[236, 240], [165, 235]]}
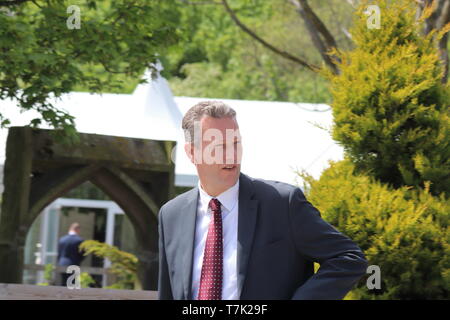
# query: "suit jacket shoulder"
{"points": [[272, 190], [171, 209], [283, 188]]}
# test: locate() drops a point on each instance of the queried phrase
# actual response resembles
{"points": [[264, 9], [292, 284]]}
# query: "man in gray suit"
{"points": [[236, 237]]}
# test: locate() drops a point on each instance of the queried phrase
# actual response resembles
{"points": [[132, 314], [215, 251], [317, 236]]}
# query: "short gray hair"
{"points": [[215, 109]]}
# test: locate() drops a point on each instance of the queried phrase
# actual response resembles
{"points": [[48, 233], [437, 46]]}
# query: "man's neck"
{"points": [[211, 191], [214, 192]]}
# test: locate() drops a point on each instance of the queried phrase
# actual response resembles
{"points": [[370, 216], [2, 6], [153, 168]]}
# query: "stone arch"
{"points": [[138, 174]]}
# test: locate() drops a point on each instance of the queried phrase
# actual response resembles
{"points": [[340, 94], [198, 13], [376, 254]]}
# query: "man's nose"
{"points": [[232, 156]]}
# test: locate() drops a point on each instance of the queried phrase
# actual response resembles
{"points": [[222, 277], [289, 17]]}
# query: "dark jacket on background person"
{"points": [[68, 250]]}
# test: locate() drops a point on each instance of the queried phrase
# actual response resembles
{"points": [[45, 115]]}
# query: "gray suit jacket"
{"points": [[280, 235]]}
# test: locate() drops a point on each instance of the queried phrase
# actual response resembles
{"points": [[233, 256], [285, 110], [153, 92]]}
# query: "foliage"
{"points": [[404, 231], [48, 275], [216, 59], [123, 264], [208, 80], [48, 272], [41, 58], [87, 190], [86, 280], [391, 111]]}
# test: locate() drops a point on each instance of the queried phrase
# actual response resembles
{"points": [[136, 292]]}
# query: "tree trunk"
{"points": [[437, 20]]}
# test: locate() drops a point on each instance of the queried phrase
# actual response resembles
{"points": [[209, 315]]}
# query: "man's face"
{"points": [[218, 160]]}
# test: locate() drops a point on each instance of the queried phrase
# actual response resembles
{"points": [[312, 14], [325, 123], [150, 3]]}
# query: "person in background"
{"points": [[68, 250]]}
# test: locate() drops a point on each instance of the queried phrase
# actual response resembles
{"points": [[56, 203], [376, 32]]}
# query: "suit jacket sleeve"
{"points": [[342, 263], [164, 288]]}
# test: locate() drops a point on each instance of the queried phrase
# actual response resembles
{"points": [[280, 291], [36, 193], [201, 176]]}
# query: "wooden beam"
{"points": [[15, 203], [54, 184], [123, 152]]}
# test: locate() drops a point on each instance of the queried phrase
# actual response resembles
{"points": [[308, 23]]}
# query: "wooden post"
{"points": [[15, 204]]}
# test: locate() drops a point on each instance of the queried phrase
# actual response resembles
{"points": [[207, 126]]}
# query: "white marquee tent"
{"points": [[277, 137]]}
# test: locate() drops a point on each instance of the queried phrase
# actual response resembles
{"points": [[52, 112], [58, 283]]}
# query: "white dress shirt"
{"points": [[229, 205]]}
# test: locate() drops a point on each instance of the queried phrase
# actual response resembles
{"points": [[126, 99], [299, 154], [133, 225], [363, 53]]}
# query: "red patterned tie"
{"points": [[212, 268]]}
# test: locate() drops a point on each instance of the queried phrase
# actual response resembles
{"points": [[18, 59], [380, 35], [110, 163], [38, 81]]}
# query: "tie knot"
{"points": [[214, 204]]}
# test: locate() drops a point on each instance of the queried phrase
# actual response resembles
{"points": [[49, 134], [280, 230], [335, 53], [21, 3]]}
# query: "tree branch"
{"points": [[280, 52], [329, 39], [316, 28], [108, 69], [34, 1], [438, 19], [199, 2], [444, 17], [443, 43], [347, 33], [12, 3], [352, 3]]}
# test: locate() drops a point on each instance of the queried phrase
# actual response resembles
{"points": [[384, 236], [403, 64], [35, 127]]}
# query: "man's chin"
{"points": [[230, 175]]}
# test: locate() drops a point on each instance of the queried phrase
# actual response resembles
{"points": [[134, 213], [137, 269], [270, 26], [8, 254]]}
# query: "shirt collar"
{"points": [[72, 233], [228, 198]]}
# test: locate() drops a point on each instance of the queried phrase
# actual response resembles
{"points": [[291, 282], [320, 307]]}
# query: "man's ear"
{"points": [[189, 149]]}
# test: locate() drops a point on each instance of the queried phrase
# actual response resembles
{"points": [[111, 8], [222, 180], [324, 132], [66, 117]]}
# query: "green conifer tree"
{"points": [[391, 111]]}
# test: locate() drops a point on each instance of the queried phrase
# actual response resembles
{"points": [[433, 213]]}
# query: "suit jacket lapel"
{"points": [[187, 239], [247, 217]]}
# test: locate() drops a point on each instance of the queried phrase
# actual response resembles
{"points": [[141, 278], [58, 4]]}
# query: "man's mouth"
{"points": [[229, 167]]}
